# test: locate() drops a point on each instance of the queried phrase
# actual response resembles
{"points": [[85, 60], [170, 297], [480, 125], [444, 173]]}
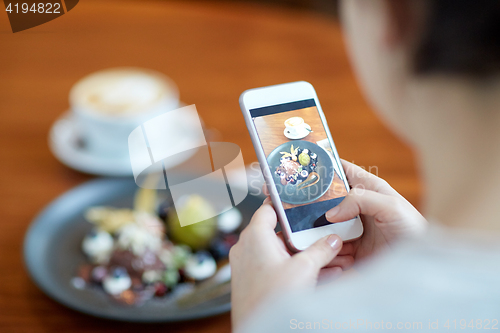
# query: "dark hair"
{"points": [[460, 37]]}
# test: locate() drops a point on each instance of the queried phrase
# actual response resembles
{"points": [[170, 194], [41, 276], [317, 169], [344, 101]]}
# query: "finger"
{"points": [[267, 200], [347, 249], [344, 262], [328, 274], [359, 177], [319, 254], [382, 207], [264, 218]]}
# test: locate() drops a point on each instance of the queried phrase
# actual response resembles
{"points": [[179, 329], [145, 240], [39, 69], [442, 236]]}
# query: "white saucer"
{"points": [[298, 136], [69, 149]]}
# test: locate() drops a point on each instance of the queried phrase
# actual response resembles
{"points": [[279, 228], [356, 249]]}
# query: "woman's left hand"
{"points": [[261, 265]]}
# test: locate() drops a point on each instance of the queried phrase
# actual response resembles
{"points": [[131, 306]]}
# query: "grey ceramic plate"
{"points": [[52, 255], [289, 193]]}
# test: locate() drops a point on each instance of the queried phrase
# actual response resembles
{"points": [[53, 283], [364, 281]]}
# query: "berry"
{"points": [[99, 273], [119, 272], [160, 289]]}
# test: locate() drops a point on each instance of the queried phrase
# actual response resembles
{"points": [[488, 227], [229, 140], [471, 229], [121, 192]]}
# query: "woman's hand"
{"points": [[262, 266], [386, 215]]}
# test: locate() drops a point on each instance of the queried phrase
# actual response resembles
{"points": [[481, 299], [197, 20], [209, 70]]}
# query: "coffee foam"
{"points": [[294, 121], [122, 91]]}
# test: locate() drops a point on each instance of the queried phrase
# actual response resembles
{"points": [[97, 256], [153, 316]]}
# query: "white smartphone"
{"points": [[299, 161]]}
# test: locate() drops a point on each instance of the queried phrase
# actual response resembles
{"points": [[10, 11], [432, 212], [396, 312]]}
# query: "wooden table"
{"points": [[213, 51]]}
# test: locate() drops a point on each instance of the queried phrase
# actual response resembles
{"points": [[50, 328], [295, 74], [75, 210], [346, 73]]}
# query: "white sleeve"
{"points": [[423, 288]]}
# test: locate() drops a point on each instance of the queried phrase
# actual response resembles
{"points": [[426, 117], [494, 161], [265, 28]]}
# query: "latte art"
{"points": [[294, 121], [122, 91], [109, 104]]}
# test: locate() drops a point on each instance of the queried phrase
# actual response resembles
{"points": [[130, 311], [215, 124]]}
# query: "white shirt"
{"points": [[448, 281]]}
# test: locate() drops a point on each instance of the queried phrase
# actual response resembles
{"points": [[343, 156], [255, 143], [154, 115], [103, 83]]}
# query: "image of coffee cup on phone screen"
{"points": [[296, 128]]}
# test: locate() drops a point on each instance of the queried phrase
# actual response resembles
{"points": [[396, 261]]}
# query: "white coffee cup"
{"points": [[295, 126], [107, 105]]}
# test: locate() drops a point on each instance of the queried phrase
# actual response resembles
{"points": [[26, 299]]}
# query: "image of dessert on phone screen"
{"points": [[305, 171]]}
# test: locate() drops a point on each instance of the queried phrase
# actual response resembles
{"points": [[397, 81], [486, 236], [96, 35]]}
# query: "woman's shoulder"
{"points": [[448, 275]]}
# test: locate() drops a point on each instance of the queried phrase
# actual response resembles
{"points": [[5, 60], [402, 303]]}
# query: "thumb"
{"points": [[320, 253], [380, 206]]}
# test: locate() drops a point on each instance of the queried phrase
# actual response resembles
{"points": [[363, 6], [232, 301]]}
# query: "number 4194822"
{"points": [[40, 7], [478, 324]]}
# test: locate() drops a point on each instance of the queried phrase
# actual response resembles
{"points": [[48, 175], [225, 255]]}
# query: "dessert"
{"points": [[137, 255], [229, 221], [200, 266], [297, 166], [98, 245]]}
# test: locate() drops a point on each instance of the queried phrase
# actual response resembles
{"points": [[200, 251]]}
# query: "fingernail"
{"points": [[333, 241], [332, 212]]}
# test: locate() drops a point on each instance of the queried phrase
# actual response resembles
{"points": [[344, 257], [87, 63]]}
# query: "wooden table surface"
{"points": [[213, 51]]}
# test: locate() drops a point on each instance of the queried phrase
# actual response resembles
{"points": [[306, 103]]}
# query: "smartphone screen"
{"points": [[304, 169]]}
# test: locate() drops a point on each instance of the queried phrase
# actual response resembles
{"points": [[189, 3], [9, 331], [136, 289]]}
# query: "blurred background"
{"points": [[213, 51]]}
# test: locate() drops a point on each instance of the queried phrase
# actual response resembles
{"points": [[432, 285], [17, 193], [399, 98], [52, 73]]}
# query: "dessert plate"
{"points": [[290, 193], [52, 256]]}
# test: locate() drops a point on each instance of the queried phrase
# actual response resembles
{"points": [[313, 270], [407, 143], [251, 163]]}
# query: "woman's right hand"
{"points": [[385, 214]]}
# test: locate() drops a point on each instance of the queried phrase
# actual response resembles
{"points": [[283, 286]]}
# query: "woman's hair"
{"points": [[460, 37]]}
